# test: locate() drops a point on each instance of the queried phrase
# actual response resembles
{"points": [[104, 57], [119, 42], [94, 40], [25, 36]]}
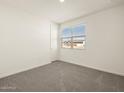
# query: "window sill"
{"points": [[73, 49]]}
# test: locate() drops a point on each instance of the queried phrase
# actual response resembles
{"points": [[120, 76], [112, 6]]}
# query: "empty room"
{"points": [[61, 45]]}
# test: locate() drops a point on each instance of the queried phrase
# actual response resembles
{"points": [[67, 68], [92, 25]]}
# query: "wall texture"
{"points": [[104, 44], [24, 41]]}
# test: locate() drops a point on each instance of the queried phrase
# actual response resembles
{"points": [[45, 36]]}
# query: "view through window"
{"points": [[74, 37]]}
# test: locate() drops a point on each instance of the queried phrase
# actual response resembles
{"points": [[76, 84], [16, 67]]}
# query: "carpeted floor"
{"points": [[60, 77]]}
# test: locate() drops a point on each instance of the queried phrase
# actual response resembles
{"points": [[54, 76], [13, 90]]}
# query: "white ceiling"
{"points": [[61, 12]]}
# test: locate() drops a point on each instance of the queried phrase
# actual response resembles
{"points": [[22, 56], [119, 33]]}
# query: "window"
{"points": [[66, 38], [73, 37]]}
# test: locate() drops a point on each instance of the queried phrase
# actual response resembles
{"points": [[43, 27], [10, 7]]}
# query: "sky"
{"points": [[75, 31]]}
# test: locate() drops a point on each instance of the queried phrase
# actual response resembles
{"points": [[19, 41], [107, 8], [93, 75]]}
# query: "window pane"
{"points": [[79, 42], [66, 43], [67, 32], [79, 30]]}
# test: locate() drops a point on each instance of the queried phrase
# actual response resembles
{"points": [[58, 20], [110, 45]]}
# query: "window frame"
{"points": [[72, 37]]}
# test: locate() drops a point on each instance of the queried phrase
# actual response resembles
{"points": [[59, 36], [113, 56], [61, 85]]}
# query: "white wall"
{"points": [[24, 41], [105, 41], [54, 41]]}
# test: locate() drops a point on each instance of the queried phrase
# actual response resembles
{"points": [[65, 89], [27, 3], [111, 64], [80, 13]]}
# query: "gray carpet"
{"points": [[60, 77]]}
